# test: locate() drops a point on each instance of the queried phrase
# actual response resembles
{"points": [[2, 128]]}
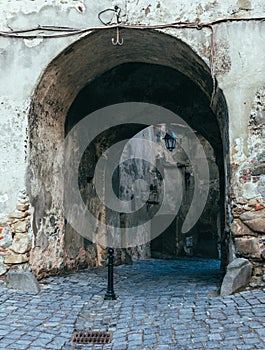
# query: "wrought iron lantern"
{"points": [[170, 140]]}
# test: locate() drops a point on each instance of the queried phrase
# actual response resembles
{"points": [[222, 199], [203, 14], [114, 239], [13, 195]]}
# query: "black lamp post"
{"points": [[170, 141], [110, 295]]}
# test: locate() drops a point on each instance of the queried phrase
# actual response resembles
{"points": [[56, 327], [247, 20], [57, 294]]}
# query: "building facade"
{"points": [[63, 62]]}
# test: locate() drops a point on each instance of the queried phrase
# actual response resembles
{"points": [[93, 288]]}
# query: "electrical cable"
{"points": [[67, 31]]}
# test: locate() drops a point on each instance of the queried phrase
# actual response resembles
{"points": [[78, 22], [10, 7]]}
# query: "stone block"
{"points": [[252, 202], [240, 229], [16, 258], [17, 214], [250, 215], [248, 247], [21, 226], [22, 280], [257, 225], [22, 207], [21, 243], [238, 275]]}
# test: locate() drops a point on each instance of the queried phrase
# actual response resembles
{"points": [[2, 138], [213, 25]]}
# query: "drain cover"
{"points": [[90, 337]]}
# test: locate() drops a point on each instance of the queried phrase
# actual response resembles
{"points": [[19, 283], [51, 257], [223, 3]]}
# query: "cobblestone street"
{"points": [[161, 305]]}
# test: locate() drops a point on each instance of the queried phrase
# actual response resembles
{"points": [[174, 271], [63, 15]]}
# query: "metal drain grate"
{"points": [[90, 337]]}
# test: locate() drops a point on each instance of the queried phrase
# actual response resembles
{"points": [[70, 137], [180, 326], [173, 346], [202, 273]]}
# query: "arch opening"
{"points": [[79, 82]]}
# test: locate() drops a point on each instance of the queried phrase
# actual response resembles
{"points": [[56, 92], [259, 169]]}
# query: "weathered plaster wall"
{"points": [[239, 65], [172, 11]]}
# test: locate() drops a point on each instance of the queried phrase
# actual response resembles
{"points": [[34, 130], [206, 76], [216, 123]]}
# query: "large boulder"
{"points": [[237, 276], [22, 280]]}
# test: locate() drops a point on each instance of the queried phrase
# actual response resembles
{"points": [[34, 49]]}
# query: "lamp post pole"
{"points": [[110, 295]]}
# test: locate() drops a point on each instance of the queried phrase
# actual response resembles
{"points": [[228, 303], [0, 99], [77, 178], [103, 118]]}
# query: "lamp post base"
{"points": [[110, 296]]}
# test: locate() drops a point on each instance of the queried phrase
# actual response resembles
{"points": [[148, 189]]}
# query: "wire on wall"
{"points": [[60, 32], [53, 32]]}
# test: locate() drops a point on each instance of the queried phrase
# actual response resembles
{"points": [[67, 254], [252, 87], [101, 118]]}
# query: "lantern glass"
{"points": [[170, 141]]}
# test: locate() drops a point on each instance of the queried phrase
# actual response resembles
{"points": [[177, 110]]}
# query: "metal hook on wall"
{"points": [[118, 41], [117, 13]]}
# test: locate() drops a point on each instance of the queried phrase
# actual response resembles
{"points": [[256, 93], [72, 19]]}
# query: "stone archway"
{"points": [[66, 76]]}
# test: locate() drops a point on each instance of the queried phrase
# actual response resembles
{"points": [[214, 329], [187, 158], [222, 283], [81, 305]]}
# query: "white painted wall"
{"points": [[239, 63]]}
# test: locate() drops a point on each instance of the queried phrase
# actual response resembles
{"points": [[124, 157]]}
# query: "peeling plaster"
{"points": [[148, 12], [250, 174], [238, 154], [33, 42], [13, 152]]}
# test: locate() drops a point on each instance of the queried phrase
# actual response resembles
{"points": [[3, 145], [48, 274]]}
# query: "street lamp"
{"points": [[110, 295], [170, 140]]}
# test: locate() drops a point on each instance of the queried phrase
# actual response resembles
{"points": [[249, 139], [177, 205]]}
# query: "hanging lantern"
{"points": [[170, 140]]}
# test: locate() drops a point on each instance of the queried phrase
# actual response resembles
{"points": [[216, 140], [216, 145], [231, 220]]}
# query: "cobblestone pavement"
{"points": [[161, 305]]}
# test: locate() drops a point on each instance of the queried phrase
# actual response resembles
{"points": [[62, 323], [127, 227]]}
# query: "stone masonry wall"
{"points": [[15, 236], [249, 187]]}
